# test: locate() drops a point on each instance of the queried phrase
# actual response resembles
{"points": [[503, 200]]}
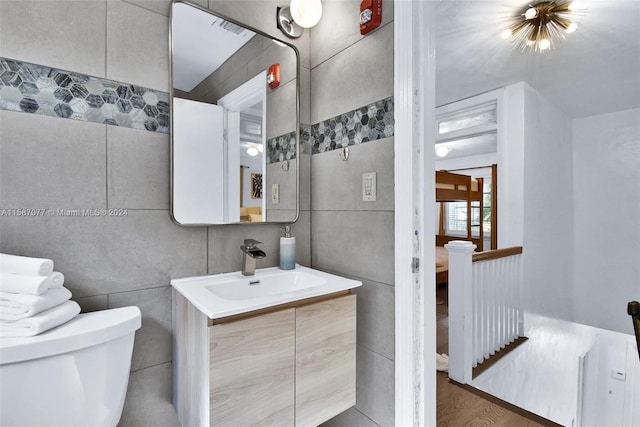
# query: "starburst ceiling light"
{"points": [[541, 25]]}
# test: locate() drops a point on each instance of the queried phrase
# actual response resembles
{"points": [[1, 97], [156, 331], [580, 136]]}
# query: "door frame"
{"points": [[414, 163], [244, 96]]}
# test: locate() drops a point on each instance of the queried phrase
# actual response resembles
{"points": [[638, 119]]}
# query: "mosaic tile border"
{"points": [[38, 89], [47, 91], [364, 124], [281, 148]]}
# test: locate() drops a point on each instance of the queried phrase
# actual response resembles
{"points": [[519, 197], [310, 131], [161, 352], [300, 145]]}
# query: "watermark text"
{"points": [[31, 212]]}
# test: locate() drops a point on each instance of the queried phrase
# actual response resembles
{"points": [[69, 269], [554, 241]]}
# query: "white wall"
{"points": [[581, 263], [548, 208], [606, 248], [511, 165]]}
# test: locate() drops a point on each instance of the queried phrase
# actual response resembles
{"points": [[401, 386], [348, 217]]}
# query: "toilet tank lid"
{"points": [[83, 331]]}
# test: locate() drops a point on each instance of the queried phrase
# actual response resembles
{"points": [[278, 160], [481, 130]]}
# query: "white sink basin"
{"points": [[269, 283], [227, 294]]}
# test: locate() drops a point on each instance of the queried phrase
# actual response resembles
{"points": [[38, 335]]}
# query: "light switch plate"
{"points": [[369, 187], [275, 193]]}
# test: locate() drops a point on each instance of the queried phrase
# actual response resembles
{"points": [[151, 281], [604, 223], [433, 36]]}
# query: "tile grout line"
{"points": [[364, 347], [106, 168], [365, 415], [151, 288], [152, 366], [347, 47], [106, 132], [206, 261], [106, 36], [355, 210], [310, 213], [352, 276], [145, 8]]}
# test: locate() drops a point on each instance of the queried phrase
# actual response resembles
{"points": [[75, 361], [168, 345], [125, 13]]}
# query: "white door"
{"points": [[198, 164]]}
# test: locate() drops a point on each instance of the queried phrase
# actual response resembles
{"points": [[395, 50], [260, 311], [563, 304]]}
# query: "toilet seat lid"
{"points": [[83, 331]]}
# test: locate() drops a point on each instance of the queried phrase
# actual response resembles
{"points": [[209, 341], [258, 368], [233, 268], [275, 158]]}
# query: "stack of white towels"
{"points": [[32, 298]]}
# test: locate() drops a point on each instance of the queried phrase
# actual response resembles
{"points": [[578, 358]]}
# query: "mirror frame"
{"points": [[171, 97]]}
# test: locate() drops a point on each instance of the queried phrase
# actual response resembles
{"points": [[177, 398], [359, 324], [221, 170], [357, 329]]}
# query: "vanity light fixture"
{"points": [[541, 25], [300, 14]]}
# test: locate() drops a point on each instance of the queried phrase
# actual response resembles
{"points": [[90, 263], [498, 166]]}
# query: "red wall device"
{"points": [[273, 76], [370, 15]]}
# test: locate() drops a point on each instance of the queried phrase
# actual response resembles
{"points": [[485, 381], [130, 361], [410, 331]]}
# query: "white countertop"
{"points": [[228, 294]]}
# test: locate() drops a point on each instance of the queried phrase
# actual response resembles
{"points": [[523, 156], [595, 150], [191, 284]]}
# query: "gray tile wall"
{"points": [[355, 76], [130, 259], [351, 237], [113, 261]]}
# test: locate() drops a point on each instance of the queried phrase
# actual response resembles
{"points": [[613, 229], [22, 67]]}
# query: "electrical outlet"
{"points": [[275, 193], [618, 375], [369, 187]]}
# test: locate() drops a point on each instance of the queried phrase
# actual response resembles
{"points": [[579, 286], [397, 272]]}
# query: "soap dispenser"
{"points": [[287, 250]]}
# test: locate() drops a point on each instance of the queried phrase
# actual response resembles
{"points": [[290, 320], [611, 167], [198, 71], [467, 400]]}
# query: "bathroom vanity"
{"points": [[273, 347], [279, 352]]}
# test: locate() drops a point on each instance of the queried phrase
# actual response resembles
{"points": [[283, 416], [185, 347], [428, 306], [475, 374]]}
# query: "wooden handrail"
{"points": [[496, 253]]}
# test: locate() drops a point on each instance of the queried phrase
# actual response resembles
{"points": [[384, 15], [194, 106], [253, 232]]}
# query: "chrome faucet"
{"points": [[250, 253]]}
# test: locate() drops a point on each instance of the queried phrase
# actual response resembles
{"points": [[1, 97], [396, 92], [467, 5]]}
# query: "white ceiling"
{"points": [[202, 42], [594, 71]]}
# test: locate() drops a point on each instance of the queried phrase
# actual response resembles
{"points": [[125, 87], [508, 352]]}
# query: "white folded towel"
{"points": [[20, 306], [41, 322], [25, 265], [33, 285], [56, 280], [442, 362]]}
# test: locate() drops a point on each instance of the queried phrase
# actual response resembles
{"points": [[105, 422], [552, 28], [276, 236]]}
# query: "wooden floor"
{"points": [[459, 406]]}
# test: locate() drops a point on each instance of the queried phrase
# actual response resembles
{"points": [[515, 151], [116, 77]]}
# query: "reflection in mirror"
{"points": [[235, 122]]}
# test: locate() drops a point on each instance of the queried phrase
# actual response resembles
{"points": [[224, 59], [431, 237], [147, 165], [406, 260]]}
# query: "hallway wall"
{"points": [[605, 222], [548, 208]]}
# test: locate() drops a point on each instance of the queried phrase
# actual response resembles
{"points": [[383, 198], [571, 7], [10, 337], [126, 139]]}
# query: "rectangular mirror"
{"points": [[235, 127]]}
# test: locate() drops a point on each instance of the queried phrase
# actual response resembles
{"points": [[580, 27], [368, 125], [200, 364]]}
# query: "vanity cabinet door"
{"points": [[252, 363], [325, 360]]}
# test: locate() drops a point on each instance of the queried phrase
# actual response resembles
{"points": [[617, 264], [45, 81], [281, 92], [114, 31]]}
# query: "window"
{"points": [[486, 208], [477, 119], [456, 215]]}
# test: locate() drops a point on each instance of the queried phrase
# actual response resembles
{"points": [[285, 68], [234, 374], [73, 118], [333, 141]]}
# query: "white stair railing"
{"points": [[484, 305]]}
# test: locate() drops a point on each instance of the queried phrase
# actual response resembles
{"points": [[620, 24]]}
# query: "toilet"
{"points": [[72, 375]]}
